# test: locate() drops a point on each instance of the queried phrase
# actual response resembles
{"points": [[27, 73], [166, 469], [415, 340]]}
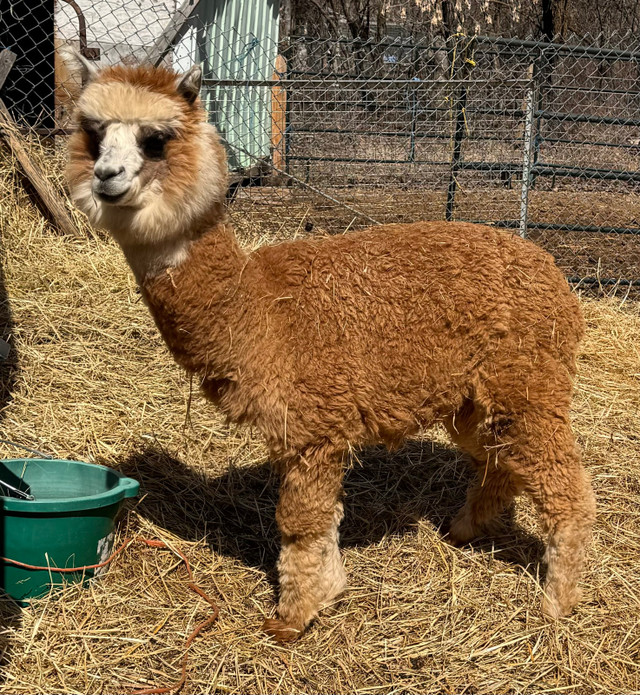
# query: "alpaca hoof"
{"points": [[280, 631], [461, 532], [335, 589], [553, 609]]}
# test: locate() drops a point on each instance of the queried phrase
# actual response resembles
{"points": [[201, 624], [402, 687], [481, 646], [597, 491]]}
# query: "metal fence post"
{"points": [[413, 91], [414, 119], [460, 71], [540, 69], [527, 158]]}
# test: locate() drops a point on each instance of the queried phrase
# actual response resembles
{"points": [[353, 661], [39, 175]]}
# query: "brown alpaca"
{"points": [[333, 343]]}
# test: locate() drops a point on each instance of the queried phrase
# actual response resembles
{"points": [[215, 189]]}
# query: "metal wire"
{"points": [[26, 448], [537, 137]]}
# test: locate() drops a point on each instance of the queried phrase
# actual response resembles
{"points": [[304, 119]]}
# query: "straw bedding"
{"points": [[93, 381]]}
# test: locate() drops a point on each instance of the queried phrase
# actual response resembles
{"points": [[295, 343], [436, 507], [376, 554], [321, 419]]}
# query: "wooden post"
{"points": [[48, 198], [460, 69], [278, 115], [172, 32], [7, 59]]}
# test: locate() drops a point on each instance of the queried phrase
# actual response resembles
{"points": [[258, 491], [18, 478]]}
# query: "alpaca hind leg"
{"points": [[310, 568], [537, 454], [493, 491], [562, 492], [540, 448], [527, 426], [495, 486]]}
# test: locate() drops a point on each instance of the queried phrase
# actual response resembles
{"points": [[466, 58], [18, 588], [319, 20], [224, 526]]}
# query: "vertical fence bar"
{"points": [[540, 68], [461, 65], [414, 103], [461, 102], [414, 118], [527, 154]]}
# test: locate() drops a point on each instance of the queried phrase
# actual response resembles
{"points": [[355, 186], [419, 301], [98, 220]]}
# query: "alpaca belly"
{"points": [[214, 389], [393, 420], [385, 397]]}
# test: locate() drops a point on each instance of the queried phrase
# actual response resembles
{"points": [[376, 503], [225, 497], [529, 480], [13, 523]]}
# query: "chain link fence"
{"points": [[331, 134]]}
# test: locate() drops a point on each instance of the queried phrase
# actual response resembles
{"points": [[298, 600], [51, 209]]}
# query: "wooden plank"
{"points": [[278, 115], [47, 196], [7, 59], [168, 37]]}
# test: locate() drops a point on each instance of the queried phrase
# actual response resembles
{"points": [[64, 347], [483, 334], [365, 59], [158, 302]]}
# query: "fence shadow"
{"points": [[386, 495]]}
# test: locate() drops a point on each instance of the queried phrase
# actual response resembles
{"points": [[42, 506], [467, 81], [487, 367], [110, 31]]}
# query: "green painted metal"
{"points": [[238, 40], [69, 523]]}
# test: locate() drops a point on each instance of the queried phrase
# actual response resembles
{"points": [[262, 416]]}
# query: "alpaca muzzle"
{"points": [[118, 165], [113, 188]]}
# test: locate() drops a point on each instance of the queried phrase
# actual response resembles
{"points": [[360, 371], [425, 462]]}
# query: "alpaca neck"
{"points": [[149, 260], [151, 257], [194, 302]]}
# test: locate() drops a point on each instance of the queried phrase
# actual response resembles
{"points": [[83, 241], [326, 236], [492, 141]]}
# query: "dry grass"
{"points": [[93, 381]]}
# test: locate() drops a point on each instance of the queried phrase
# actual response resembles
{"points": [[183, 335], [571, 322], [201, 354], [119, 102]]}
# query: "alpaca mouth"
{"points": [[111, 198], [111, 191]]}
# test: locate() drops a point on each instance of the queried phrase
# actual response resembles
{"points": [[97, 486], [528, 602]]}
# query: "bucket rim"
{"points": [[125, 488]]}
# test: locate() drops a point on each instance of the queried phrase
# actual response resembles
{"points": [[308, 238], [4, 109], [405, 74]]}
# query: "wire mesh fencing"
{"points": [[330, 134]]}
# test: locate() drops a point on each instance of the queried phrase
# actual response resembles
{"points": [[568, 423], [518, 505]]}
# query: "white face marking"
{"points": [[117, 168], [123, 178]]}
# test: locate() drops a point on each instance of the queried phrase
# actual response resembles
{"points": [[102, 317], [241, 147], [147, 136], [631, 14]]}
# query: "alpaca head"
{"points": [[144, 163]]}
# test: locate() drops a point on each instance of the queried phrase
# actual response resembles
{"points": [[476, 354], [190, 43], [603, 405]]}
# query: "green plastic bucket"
{"points": [[69, 522]]}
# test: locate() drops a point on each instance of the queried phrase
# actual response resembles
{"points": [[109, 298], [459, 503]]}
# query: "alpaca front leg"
{"points": [[333, 578], [311, 574], [310, 568]]}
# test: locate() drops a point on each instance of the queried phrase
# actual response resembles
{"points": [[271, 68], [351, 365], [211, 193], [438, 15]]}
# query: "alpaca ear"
{"points": [[76, 62], [188, 84]]}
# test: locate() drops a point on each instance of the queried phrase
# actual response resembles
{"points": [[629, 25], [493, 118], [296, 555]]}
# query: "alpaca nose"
{"points": [[107, 170]]}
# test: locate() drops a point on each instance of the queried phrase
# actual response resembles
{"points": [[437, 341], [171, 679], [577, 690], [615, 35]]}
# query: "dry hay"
{"points": [[94, 382]]}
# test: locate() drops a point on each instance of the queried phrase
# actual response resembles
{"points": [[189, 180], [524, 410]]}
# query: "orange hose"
{"points": [[126, 542], [192, 585], [194, 633]]}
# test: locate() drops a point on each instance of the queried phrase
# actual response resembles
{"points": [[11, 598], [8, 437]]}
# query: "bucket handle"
{"points": [[26, 448]]}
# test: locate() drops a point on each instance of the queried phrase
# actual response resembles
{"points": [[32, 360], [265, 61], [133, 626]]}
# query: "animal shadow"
{"points": [[10, 621], [386, 494], [10, 612]]}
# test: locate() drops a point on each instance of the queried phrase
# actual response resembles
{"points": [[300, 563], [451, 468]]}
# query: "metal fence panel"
{"points": [[235, 41], [540, 138]]}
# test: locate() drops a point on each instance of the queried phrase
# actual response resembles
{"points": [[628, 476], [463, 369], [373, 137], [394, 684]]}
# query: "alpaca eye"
{"points": [[94, 132], [92, 127], [153, 146]]}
